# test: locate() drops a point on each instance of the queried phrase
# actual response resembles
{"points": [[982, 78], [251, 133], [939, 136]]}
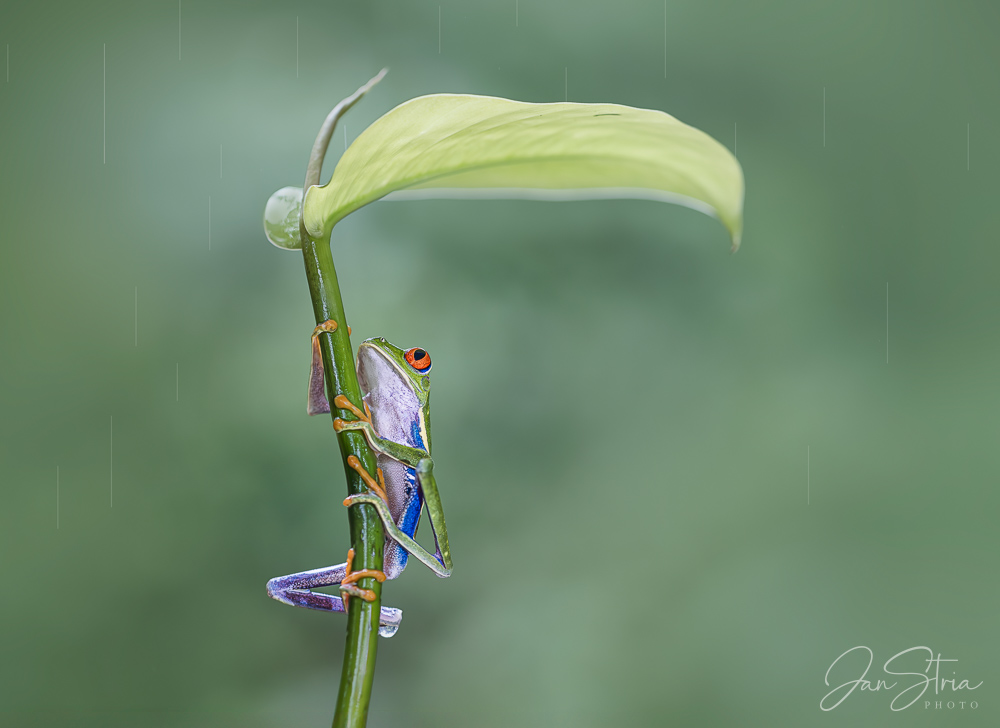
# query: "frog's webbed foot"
{"points": [[347, 585], [362, 424], [317, 402], [378, 487], [364, 418], [297, 590]]}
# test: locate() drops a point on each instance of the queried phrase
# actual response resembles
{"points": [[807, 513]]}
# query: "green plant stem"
{"points": [[367, 536]]}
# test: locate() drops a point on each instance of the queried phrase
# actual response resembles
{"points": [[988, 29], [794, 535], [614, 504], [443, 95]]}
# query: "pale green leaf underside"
{"points": [[458, 145]]}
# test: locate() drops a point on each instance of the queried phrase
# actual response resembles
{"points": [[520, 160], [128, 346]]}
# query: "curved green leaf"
{"points": [[458, 145], [281, 218]]}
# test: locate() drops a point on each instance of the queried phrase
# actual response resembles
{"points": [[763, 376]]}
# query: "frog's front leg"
{"points": [[295, 589], [409, 456], [440, 562]]}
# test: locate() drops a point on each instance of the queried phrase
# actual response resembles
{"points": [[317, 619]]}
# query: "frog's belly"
{"points": [[405, 502]]}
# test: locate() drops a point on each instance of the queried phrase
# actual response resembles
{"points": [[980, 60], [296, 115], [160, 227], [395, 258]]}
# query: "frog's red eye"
{"points": [[419, 360]]}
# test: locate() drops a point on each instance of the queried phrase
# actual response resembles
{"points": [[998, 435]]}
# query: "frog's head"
{"points": [[396, 386], [378, 358]]}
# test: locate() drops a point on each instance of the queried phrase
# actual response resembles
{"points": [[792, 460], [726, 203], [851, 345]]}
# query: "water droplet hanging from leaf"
{"points": [[281, 218]]}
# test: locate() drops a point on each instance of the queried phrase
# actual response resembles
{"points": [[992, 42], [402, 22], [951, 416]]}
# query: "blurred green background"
{"points": [[623, 411]]}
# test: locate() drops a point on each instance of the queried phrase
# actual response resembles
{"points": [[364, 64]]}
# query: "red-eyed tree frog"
{"points": [[396, 423]]}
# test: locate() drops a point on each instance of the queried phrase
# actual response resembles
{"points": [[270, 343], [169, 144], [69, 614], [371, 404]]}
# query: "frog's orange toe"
{"points": [[347, 584]]}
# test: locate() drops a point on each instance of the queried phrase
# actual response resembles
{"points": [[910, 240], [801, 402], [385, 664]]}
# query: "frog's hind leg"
{"points": [[295, 589]]}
